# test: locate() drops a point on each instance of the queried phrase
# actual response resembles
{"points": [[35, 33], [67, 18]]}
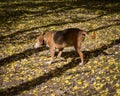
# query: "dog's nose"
{"points": [[36, 45]]}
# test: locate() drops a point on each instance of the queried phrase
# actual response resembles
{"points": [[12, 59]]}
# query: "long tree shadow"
{"points": [[54, 73], [58, 24], [20, 56], [104, 27], [29, 52], [15, 14], [59, 7]]}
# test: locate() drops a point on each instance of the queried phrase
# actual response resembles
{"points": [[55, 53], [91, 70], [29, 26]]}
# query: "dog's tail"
{"points": [[84, 33]]}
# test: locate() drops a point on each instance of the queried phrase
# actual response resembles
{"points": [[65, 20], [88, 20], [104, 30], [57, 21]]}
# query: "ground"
{"points": [[23, 69]]}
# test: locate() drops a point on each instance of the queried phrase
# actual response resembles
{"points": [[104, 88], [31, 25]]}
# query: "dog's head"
{"points": [[39, 42]]}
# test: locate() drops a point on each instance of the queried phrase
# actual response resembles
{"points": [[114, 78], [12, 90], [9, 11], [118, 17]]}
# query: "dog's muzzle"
{"points": [[36, 45]]}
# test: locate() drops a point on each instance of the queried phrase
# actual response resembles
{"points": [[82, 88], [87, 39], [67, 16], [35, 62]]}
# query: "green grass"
{"points": [[23, 69]]}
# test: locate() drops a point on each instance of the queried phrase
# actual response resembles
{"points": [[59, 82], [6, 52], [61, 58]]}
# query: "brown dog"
{"points": [[61, 39]]}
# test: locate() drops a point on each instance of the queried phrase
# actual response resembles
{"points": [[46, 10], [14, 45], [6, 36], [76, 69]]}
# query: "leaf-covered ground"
{"points": [[23, 69]]}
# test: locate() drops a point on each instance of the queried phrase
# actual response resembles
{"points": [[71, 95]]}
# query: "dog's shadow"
{"points": [[86, 54], [75, 56]]}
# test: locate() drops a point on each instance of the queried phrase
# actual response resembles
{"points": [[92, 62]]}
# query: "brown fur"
{"points": [[61, 39]]}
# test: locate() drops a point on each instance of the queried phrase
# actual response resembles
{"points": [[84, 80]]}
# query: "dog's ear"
{"points": [[41, 39], [93, 36]]}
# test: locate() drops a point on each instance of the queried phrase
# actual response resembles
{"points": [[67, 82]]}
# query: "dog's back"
{"points": [[68, 36]]}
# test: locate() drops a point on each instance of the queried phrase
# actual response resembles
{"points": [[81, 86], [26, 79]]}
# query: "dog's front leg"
{"points": [[60, 53], [52, 52]]}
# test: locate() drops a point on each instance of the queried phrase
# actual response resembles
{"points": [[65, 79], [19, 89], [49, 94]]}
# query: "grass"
{"points": [[23, 70]]}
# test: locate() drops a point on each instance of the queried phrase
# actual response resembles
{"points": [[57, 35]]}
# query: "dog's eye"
{"points": [[43, 42]]}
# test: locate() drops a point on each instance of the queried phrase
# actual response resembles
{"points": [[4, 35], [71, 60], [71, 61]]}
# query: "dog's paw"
{"points": [[49, 62], [62, 59], [80, 63]]}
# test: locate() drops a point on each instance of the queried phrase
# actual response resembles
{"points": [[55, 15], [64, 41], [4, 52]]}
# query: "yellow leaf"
{"points": [[79, 82], [116, 52], [95, 62], [53, 94], [69, 77], [22, 72], [6, 79], [117, 85], [98, 78], [75, 88], [118, 91], [93, 71], [30, 78], [12, 66], [73, 69], [66, 81], [44, 87]]}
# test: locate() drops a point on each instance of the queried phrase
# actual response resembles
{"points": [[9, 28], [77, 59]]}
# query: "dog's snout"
{"points": [[36, 45]]}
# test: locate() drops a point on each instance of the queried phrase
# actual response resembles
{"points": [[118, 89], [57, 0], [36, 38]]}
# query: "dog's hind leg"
{"points": [[78, 48], [81, 57], [80, 54]]}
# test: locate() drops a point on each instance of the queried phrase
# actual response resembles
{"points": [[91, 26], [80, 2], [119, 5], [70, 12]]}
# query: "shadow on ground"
{"points": [[20, 56], [11, 36], [8, 11], [55, 73]]}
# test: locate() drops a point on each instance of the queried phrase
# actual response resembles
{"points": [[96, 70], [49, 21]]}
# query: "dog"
{"points": [[61, 39]]}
